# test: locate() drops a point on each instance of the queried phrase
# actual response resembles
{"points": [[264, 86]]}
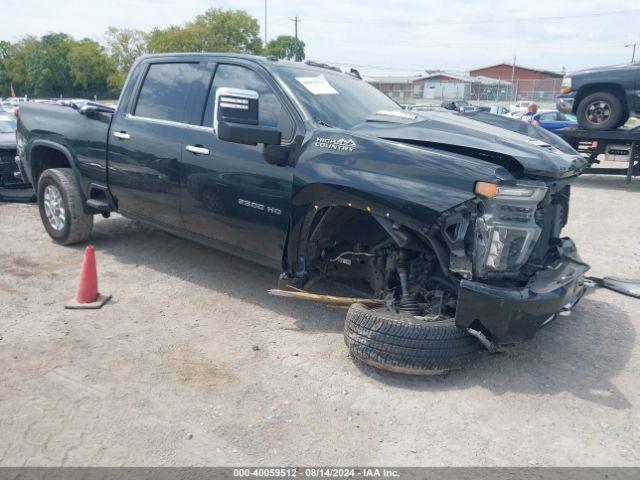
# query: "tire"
{"points": [[70, 224], [601, 111], [405, 344]]}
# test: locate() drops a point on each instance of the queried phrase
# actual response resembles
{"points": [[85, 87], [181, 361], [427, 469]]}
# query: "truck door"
{"points": [[230, 194], [145, 142]]}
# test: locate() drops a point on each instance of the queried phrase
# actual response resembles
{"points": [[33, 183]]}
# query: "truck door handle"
{"points": [[122, 135], [197, 149]]}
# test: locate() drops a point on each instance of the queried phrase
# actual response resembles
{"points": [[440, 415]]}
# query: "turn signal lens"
{"points": [[486, 190], [566, 89]]}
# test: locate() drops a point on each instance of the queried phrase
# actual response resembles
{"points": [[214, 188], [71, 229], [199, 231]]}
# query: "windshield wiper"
{"points": [[323, 123], [390, 116]]}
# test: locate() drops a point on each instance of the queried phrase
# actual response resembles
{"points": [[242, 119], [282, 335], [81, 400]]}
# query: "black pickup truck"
{"points": [[453, 222], [602, 98]]}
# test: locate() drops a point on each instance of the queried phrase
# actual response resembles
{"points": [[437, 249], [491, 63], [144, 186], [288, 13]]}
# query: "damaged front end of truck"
{"points": [[496, 264]]}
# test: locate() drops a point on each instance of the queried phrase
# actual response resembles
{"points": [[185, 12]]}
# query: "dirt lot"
{"points": [[192, 363]]}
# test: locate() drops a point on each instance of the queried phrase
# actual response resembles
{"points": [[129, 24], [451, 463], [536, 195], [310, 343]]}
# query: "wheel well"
{"points": [[613, 88], [333, 224], [43, 158]]}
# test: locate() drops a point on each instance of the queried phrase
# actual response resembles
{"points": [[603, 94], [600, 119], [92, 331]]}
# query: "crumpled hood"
{"points": [[538, 153]]}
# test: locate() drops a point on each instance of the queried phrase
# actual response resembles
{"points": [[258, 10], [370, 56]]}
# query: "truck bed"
{"points": [[85, 138]]}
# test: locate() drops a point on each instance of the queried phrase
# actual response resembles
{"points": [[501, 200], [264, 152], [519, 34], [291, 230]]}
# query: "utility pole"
{"points": [[296, 20], [633, 54], [265, 23], [513, 75]]}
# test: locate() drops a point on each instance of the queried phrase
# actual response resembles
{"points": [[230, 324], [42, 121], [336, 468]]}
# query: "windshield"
{"points": [[335, 99], [7, 124]]}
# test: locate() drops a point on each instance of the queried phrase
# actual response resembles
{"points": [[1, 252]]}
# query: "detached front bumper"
{"points": [[564, 103], [513, 315]]}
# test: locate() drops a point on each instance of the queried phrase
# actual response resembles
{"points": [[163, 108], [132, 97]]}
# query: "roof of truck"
{"points": [[267, 62]]}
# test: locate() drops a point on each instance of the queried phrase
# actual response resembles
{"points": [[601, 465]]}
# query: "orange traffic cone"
{"points": [[88, 295]]}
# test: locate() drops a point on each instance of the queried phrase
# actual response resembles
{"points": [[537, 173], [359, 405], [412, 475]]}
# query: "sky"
{"points": [[380, 37]]}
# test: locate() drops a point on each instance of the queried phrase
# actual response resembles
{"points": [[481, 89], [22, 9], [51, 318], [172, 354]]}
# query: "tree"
{"points": [[54, 77], [24, 64], [5, 81], [227, 31], [286, 47], [90, 68], [125, 45], [174, 39]]}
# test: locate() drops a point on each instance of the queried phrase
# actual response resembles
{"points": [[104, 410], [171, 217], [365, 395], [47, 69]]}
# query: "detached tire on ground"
{"points": [[601, 111], [60, 205], [405, 344]]}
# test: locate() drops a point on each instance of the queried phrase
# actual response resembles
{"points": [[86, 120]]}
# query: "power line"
{"points": [[476, 22]]}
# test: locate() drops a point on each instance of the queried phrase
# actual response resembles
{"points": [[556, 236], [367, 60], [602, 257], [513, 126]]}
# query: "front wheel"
{"points": [[407, 344], [601, 111], [60, 205]]}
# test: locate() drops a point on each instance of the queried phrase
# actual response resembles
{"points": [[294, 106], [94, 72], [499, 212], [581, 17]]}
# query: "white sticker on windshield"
{"points": [[317, 85]]}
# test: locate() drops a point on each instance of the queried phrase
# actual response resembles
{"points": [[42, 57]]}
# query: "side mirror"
{"points": [[235, 118]]}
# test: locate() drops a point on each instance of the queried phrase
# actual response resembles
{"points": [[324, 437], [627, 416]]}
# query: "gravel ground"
{"points": [[192, 363]]}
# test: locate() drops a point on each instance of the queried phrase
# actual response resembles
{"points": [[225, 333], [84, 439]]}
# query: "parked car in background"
{"points": [[517, 114], [497, 109], [554, 120], [456, 105], [520, 105], [11, 104], [602, 98], [8, 165]]}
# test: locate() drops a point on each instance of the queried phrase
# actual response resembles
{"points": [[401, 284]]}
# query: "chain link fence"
{"points": [[485, 91]]}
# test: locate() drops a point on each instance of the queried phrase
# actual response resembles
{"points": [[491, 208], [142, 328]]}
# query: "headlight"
{"points": [[531, 190], [506, 232], [566, 85]]}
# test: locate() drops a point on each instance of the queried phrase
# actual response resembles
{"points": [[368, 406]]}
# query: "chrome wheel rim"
{"points": [[598, 112], [54, 207]]}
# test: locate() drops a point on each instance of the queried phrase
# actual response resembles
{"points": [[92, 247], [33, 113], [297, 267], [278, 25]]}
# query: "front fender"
{"points": [[406, 184]]}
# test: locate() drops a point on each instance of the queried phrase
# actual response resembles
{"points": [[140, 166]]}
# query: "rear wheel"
{"points": [[601, 111], [60, 205], [407, 344]]}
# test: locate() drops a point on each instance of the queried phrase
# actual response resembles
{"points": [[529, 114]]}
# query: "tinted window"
{"points": [[165, 90], [271, 113]]}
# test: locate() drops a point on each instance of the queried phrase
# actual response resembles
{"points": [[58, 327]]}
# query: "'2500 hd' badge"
{"points": [[340, 144]]}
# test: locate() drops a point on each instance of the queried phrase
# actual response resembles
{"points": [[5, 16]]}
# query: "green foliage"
{"points": [[227, 31], [58, 65], [125, 45], [216, 30], [55, 65], [90, 67], [174, 39], [286, 47]]}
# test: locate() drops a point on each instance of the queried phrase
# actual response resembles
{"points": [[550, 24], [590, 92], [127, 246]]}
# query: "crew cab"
{"points": [[602, 98], [450, 224]]}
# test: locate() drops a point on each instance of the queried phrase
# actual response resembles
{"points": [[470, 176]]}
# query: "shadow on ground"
{"points": [[134, 243], [578, 354]]}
